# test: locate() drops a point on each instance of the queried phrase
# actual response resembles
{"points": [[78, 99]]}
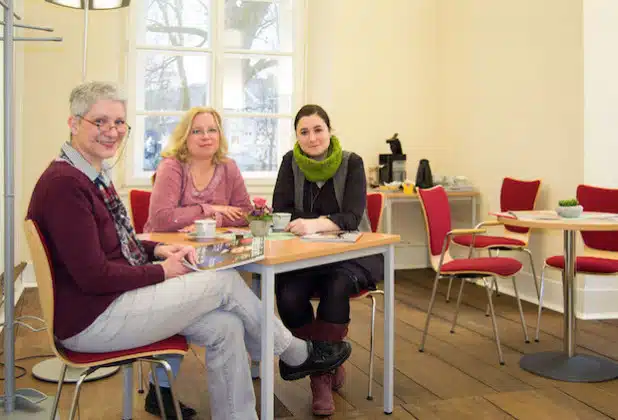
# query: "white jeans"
{"points": [[215, 310]]}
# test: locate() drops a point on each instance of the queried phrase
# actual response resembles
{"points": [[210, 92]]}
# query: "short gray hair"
{"points": [[85, 95]]}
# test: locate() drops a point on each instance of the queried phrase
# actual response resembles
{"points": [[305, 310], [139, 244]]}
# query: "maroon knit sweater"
{"points": [[89, 269]]}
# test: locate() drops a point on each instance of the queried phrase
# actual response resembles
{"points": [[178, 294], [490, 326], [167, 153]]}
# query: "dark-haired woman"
{"points": [[324, 188]]}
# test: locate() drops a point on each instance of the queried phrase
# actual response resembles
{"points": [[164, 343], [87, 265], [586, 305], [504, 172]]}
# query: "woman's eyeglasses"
{"points": [[105, 126]]}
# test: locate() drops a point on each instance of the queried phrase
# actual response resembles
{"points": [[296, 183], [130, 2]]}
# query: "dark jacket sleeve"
{"points": [[354, 197], [283, 195], [72, 227]]}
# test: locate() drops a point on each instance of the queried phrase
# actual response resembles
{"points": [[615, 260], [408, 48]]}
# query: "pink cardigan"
{"points": [[176, 203]]}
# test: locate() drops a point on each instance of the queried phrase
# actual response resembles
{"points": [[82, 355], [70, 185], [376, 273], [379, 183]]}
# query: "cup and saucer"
{"points": [[205, 230], [280, 221]]}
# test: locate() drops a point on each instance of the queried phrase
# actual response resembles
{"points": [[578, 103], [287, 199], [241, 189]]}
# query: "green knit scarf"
{"points": [[320, 170]]}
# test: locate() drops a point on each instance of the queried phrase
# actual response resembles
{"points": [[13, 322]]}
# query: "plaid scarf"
{"points": [[131, 247]]}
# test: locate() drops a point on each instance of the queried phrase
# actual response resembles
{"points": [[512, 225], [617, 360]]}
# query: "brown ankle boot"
{"points": [[338, 378], [321, 389], [326, 331]]}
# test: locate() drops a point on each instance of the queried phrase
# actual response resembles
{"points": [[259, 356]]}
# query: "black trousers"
{"points": [[332, 284]]}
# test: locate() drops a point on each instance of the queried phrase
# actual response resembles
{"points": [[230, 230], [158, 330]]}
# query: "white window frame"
{"points": [[254, 181]]}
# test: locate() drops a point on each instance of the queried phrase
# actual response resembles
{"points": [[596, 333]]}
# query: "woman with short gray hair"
{"points": [[108, 294]]}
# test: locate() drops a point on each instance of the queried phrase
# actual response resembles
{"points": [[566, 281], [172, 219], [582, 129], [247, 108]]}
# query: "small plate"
{"points": [[195, 237]]}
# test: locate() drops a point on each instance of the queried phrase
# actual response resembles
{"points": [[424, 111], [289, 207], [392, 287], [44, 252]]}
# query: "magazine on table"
{"points": [[224, 255], [336, 236]]}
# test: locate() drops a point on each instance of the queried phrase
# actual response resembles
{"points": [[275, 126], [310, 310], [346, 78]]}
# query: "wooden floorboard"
{"points": [[457, 377]]}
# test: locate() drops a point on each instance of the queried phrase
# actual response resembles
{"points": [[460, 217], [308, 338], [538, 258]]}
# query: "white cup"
{"points": [[206, 228], [281, 220]]}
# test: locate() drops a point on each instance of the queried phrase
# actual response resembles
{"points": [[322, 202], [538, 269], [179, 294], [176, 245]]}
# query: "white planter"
{"points": [[259, 228], [570, 212]]}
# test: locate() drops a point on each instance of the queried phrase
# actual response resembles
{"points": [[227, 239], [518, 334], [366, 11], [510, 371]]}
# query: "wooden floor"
{"points": [[458, 376]]}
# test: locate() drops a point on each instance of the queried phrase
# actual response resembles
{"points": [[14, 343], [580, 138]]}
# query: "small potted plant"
{"points": [[569, 208], [260, 218]]}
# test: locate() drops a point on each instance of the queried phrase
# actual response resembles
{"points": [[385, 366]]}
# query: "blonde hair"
{"points": [[177, 145]]}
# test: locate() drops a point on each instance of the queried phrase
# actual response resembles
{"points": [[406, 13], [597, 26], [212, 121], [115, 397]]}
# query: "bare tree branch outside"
{"points": [[255, 81]]}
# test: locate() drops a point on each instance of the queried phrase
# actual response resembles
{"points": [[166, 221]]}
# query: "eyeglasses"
{"points": [[200, 132], [106, 126]]}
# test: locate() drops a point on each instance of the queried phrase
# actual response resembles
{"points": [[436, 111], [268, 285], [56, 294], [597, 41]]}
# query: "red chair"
{"points": [[600, 248], [515, 195], [375, 207], [92, 361], [437, 212], [139, 203]]}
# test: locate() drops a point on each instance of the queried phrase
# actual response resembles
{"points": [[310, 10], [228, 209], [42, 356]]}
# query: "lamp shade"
{"points": [[92, 4]]}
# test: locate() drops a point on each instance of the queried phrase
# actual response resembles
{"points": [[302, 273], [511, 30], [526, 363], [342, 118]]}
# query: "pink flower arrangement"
{"points": [[260, 211]]}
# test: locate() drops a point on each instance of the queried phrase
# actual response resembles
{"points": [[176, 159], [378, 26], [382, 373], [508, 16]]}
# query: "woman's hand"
{"points": [[302, 226], [187, 229], [231, 212], [173, 266], [162, 251]]}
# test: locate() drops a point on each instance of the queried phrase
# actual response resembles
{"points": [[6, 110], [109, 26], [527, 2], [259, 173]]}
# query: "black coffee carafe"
{"points": [[423, 175]]}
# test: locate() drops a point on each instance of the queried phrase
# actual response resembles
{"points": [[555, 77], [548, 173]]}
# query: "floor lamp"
{"points": [[49, 370], [17, 403], [88, 5]]}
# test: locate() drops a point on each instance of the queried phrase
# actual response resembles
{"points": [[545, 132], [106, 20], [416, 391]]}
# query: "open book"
{"points": [[338, 236], [225, 255]]}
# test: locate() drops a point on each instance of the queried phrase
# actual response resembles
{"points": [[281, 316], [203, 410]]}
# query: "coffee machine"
{"points": [[393, 165]]}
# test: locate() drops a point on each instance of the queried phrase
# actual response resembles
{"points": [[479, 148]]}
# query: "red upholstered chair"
{"points": [[91, 361], [139, 203], [515, 195], [375, 207], [437, 212], [600, 248]]}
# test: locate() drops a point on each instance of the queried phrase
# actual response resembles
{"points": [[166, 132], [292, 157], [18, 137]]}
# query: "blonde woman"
{"points": [[196, 179]]}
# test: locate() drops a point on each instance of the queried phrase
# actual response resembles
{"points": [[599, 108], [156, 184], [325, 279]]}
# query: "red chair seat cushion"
{"points": [[176, 342], [487, 241], [495, 266], [586, 264]]}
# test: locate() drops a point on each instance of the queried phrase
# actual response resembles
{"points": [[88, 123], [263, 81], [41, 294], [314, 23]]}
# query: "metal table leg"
{"points": [[566, 365]]}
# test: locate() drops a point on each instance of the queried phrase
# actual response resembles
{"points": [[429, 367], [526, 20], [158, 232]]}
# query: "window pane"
{"points": [[173, 82], [262, 26], [156, 132], [258, 84], [254, 142], [180, 23]]}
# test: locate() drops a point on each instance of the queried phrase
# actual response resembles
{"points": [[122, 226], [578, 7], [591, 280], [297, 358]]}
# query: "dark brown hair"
{"points": [[309, 110]]}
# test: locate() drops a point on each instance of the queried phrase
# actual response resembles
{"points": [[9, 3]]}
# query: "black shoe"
{"points": [[151, 406], [323, 357]]}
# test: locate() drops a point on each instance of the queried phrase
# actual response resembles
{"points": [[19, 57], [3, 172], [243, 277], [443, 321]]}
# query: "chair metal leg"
{"points": [[170, 379], [494, 321], [153, 371], [127, 395], [463, 281], [140, 378], [448, 291], [63, 373], [78, 389], [538, 316], [521, 311], [371, 346], [536, 282], [431, 302]]}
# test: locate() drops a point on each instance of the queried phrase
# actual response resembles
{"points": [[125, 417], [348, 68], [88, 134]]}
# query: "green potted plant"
{"points": [[260, 218], [569, 208]]}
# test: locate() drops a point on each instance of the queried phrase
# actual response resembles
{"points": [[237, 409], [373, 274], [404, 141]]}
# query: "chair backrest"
{"points": [[139, 203], [517, 194], [437, 212], [601, 200], [44, 276], [375, 207]]}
